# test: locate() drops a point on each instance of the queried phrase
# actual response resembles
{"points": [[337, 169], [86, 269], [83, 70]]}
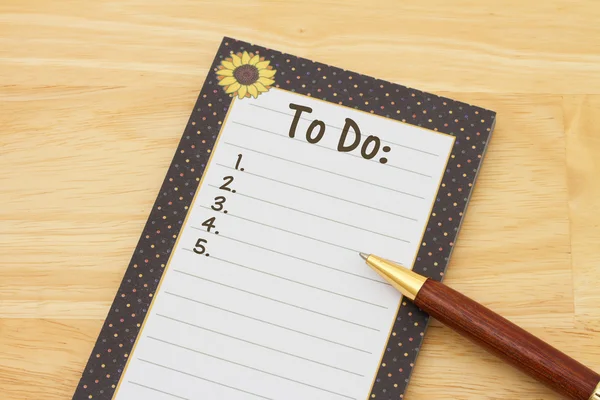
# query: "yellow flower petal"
{"points": [[266, 81], [267, 73], [261, 88], [242, 92], [227, 81], [262, 64], [245, 57], [228, 64], [254, 60], [233, 88], [253, 91], [237, 61], [225, 72]]}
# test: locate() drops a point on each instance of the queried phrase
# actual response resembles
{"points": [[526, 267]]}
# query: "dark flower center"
{"points": [[246, 74]]}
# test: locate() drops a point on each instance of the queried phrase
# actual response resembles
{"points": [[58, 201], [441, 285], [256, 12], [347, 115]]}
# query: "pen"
{"points": [[491, 331]]}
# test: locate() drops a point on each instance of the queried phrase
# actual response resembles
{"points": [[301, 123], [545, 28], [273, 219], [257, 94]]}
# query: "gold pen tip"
{"points": [[409, 283]]}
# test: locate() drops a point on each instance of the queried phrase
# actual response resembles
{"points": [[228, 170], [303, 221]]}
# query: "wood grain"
{"points": [[508, 341], [94, 96]]}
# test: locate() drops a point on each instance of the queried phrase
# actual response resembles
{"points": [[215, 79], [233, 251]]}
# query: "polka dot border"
{"points": [[472, 126]]}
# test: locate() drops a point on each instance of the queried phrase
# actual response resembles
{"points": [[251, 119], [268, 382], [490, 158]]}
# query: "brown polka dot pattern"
{"points": [[471, 125]]}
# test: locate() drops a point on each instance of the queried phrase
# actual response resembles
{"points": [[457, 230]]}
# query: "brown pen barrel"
{"points": [[511, 343]]}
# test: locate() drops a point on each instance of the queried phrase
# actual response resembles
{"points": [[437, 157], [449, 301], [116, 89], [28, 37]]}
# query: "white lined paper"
{"points": [[283, 307]]}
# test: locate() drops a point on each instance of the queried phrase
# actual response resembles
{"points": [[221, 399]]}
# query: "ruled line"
{"points": [[298, 283], [336, 127], [251, 368], [287, 231], [204, 379], [291, 256], [315, 215], [157, 390], [330, 149], [321, 193], [260, 345], [326, 171], [269, 323], [276, 300]]}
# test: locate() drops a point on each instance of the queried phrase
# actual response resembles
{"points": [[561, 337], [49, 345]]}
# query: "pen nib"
{"points": [[364, 256]]}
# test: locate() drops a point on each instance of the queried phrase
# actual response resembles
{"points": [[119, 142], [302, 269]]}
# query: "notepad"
{"points": [[257, 291]]}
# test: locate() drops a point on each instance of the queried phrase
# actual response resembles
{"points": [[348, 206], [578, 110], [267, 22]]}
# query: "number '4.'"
{"points": [[209, 223]]}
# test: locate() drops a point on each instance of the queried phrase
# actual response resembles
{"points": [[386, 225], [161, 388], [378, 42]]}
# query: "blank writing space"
{"points": [[229, 356], [306, 315], [247, 378], [272, 288], [265, 331], [244, 278], [317, 287], [274, 299], [275, 350], [165, 374], [265, 296], [154, 391]]}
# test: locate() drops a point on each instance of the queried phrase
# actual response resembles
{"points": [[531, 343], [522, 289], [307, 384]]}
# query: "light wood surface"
{"points": [[94, 96]]}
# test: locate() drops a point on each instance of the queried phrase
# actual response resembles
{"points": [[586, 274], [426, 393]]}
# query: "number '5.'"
{"points": [[199, 248]]}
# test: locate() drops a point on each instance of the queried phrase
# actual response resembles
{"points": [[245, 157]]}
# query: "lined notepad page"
{"points": [[265, 296]]}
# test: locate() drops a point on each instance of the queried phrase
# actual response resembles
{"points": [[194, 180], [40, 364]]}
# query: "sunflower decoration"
{"points": [[245, 74]]}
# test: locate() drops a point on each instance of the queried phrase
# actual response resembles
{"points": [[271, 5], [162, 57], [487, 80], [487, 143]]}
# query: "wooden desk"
{"points": [[94, 96]]}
